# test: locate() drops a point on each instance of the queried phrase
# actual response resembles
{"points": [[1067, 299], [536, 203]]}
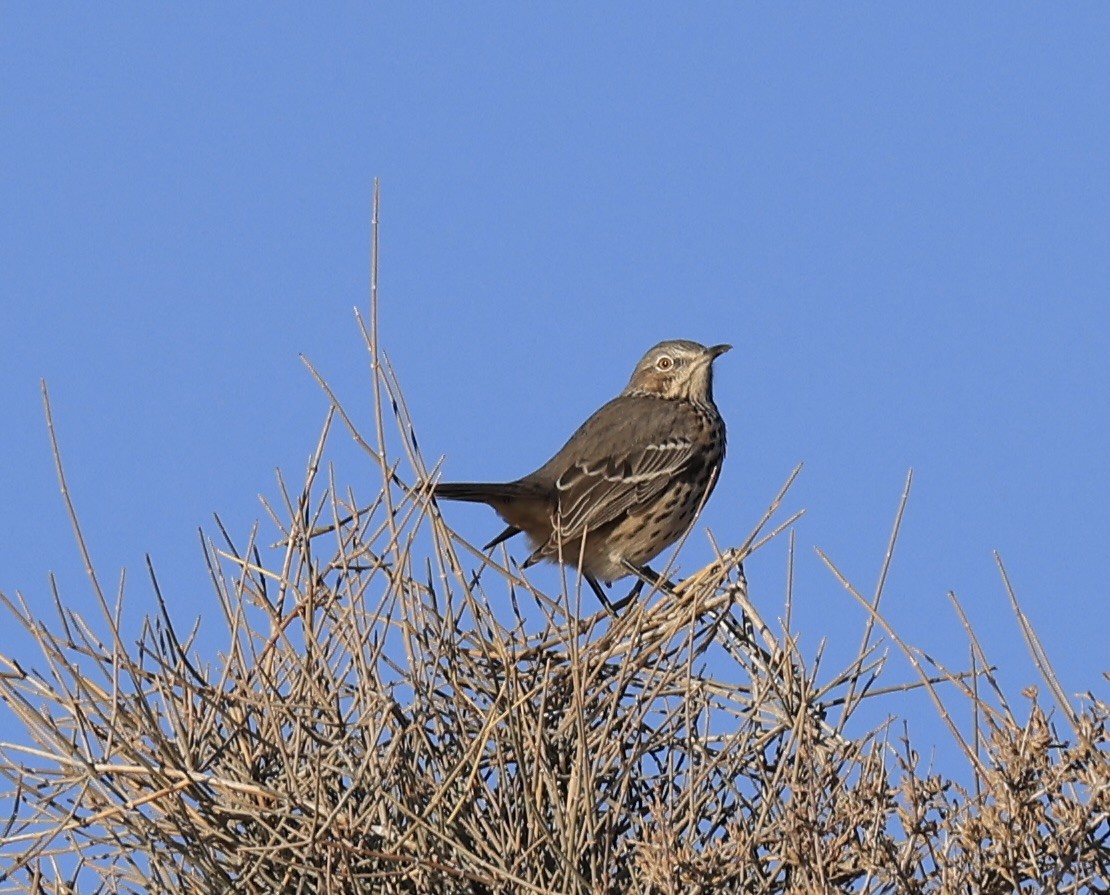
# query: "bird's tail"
{"points": [[476, 492], [487, 492], [502, 496]]}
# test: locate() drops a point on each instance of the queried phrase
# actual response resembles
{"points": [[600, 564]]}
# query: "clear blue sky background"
{"points": [[900, 216]]}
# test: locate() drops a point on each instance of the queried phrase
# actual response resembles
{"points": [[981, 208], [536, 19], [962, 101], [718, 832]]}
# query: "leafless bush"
{"points": [[375, 727]]}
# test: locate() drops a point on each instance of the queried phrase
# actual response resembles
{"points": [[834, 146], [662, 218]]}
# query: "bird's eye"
{"points": [[664, 363]]}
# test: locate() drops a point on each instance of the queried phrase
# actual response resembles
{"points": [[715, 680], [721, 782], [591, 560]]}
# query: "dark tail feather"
{"points": [[504, 536], [477, 492], [496, 494]]}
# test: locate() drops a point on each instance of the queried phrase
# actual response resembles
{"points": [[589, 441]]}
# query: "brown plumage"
{"points": [[630, 481]]}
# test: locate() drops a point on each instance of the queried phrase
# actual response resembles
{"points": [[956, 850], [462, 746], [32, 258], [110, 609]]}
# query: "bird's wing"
{"points": [[619, 461], [594, 493]]}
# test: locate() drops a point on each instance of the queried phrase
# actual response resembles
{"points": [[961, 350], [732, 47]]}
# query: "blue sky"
{"points": [[899, 216]]}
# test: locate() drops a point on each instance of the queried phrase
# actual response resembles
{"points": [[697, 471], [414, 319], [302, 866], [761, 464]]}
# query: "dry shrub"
{"points": [[375, 727]]}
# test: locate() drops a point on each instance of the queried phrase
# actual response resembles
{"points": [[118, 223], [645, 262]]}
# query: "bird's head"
{"points": [[677, 369]]}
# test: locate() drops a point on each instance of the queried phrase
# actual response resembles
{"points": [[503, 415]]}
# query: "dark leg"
{"points": [[632, 595], [644, 576], [611, 607], [737, 639], [601, 595], [647, 575]]}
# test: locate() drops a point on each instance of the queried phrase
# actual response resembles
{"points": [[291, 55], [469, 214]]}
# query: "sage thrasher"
{"points": [[629, 482]]}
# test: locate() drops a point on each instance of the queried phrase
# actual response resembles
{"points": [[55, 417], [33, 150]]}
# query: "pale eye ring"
{"points": [[664, 363]]}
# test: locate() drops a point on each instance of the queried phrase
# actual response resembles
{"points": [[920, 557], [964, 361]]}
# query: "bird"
{"points": [[629, 482]]}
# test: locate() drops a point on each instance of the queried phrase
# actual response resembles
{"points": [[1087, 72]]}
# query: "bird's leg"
{"points": [[738, 637], [611, 607], [644, 576], [632, 595], [595, 585], [647, 575]]}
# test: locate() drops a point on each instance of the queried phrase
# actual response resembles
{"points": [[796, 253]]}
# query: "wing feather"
{"points": [[592, 493], [617, 462]]}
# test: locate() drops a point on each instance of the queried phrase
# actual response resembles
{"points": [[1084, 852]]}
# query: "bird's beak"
{"points": [[717, 350]]}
